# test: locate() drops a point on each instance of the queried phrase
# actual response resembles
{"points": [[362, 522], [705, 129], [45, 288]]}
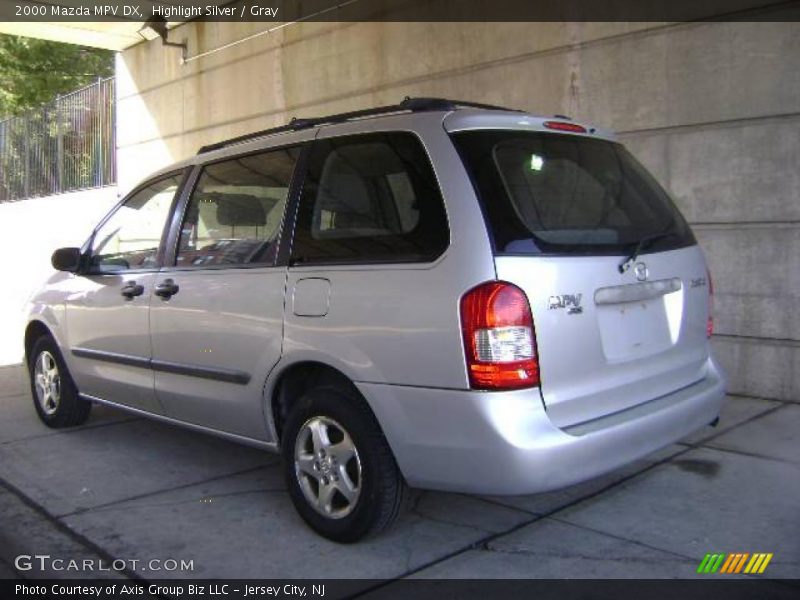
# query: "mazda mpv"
{"points": [[436, 294]]}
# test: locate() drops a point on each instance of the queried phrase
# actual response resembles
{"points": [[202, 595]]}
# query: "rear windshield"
{"points": [[547, 193]]}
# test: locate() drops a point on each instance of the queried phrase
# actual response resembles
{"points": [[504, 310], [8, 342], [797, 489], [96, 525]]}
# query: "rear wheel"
{"points": [[54, 393], [340, 471]]}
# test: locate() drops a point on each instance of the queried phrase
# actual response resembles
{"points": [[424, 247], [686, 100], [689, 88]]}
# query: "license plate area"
{"points": [[634, 329]]}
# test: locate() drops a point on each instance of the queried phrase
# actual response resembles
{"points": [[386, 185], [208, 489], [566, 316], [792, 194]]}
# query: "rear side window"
{"points": [[234, 214], [370, 198], [554, 193]]}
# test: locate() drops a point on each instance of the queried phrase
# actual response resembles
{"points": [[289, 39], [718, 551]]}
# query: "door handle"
{"points": [[131, 289], [166, 289]]}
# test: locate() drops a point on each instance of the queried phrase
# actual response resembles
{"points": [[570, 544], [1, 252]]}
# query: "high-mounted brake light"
{"points": [[561, 126], [710, 321], [499, 339]]}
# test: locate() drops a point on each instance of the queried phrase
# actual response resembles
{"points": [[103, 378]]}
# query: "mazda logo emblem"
{"points": [[641, 272]]}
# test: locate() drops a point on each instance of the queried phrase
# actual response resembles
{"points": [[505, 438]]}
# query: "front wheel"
{"points": [[54, 394], [340, 471]]}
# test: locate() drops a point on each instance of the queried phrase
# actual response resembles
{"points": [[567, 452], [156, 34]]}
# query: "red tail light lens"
{"points": [[710, 321], [499, 339], [561, 126]]}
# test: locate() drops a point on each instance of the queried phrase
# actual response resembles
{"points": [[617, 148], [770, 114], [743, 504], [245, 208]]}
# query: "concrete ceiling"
{"points": [[116, 35], [112, 35]]}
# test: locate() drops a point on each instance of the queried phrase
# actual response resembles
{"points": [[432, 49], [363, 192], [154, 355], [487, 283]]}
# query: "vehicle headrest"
{"points": [[239, 209]]}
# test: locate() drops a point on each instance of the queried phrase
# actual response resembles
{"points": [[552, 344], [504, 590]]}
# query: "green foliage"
{"points": [[33, 71]]}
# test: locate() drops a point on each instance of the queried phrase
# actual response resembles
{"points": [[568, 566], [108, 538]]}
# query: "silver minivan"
{"points": [[436, 294]]}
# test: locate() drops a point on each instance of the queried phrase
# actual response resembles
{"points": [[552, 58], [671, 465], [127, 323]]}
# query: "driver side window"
{"points": [[131, 237]]}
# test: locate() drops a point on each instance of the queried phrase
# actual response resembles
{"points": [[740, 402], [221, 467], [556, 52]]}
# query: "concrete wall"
{"points": [[31, 230], [712, 108]]}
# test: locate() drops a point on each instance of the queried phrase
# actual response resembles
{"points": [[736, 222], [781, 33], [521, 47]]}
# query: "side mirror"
{"points": [[66, 259]]}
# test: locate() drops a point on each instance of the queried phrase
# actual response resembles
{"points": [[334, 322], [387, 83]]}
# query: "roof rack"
{"points": [[408, 104]]}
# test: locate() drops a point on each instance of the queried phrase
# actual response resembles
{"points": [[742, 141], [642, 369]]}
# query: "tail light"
{"points": [[499, 339], [710, 321]]}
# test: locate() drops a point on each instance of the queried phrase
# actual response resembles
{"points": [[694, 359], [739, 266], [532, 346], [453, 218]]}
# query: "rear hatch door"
{"points": [[617, 284]]}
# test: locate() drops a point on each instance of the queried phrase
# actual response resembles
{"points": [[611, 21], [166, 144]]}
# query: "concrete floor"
{"points": [[126, 487]]}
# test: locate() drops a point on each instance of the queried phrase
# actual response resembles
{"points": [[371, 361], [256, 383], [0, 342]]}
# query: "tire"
{"points": [[54, 393], [355, 488]]}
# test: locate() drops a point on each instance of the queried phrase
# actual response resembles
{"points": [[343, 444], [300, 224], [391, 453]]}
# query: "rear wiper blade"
{"points": [[641, 245]]}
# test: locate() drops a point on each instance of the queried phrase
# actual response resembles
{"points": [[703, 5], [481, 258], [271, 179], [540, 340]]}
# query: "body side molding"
{"points": [[217, 374]]}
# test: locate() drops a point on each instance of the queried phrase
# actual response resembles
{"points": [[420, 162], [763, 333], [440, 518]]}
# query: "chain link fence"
{"points": [[66, 145]]}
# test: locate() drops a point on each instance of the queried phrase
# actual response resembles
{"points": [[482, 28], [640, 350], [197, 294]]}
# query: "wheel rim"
{"points": [[47, 381], [327, 467]]}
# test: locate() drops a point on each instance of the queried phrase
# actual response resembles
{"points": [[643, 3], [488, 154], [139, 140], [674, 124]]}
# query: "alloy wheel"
{"points": [[48, 382], [328, 467]]}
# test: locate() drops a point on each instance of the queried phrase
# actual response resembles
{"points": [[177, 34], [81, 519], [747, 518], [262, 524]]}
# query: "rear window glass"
{"points": [[552, 193]]}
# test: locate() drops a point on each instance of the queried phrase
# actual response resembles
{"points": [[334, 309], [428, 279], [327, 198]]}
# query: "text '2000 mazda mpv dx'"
{"points": [[438, 294]]}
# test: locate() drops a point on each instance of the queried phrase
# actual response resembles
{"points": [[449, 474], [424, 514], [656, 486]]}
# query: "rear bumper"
{"points": [[504, 442]]}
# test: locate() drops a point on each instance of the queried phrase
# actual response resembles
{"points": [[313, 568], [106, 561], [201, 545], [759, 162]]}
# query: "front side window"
{"points": [[130, 238], [370, 198], [234, 214]]}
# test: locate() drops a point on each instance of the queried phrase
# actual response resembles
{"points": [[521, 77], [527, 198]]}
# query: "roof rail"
{"points": [[408, 104]]}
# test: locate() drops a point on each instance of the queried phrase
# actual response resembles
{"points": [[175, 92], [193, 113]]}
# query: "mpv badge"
{"points": [[641, 271], [569, 301]]}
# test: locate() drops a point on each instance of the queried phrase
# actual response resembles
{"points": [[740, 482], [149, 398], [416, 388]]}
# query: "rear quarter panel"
{"points": [[399, 323]]}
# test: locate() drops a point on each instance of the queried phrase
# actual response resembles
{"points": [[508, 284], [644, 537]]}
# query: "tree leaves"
{"points": [[33, 72]]}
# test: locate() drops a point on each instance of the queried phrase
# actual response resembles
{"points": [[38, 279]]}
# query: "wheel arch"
{"points": [[33, 331], [295, 379]]}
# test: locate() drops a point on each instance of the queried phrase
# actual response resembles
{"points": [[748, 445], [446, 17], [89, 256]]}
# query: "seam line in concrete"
{"points": [[622, 538], [503, 505], [72, 431], [788, 342], [719, 431], [734, 225], [784, 461], [721, 123], [82, 511], [784, 401], [715, 435], [752, 397], [66, 529], [150, 505]]}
